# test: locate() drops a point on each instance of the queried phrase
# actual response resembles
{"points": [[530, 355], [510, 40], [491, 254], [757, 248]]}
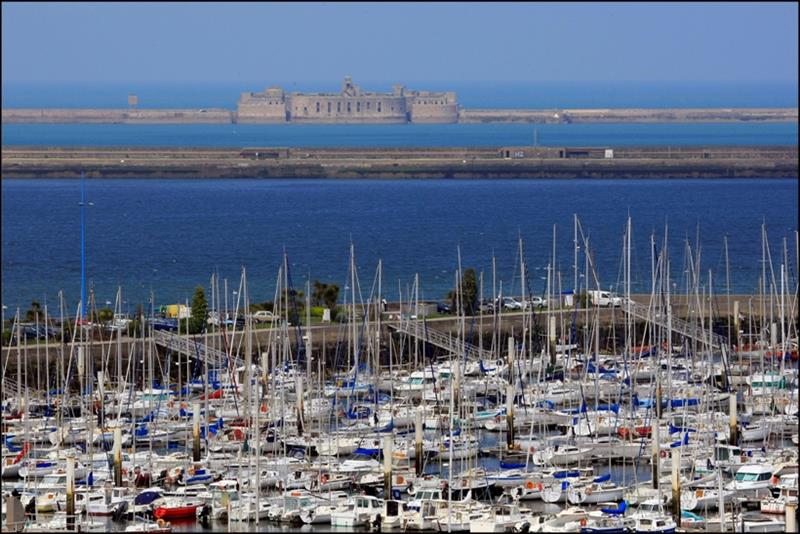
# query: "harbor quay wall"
{"points": [[399, 163], [271, 110], [112, 353]]}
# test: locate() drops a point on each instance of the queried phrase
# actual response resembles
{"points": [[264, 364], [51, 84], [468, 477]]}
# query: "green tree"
{"points": [[469, 293], [35, 308], [105, 315], [325, 294], [197, 321]]}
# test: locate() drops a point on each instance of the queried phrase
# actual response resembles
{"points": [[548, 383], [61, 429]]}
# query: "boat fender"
{"points": [[323, 478], [529, 485], [589, 490], [400, 479], [161, 522], [663, 454], [583, 521], [774, 480]]}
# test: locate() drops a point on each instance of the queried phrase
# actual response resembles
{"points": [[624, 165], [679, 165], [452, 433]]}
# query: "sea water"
{"points": [[165, 237]]}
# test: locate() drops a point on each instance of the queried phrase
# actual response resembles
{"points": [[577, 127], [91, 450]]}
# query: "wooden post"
{"points": [[387, 467], [118, 456], [418, 442], [71, 493], [656, 454], [791, 517], [676, 485], [196, 432], [734, 426]]}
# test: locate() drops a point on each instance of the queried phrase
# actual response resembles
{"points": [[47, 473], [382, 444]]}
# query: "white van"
{"points": [[604, 299]]}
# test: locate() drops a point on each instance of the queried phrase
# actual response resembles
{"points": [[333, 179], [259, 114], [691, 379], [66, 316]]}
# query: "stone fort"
{"points": [[350, 105]]}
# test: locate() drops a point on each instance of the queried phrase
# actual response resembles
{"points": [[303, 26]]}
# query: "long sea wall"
{"points": [[398, 163]]}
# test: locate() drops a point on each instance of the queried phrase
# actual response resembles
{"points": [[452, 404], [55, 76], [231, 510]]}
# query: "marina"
{"points": [[579, 411], [477, 267]]}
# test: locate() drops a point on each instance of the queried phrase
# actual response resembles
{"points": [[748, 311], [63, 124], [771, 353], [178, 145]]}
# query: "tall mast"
{"points": [[83, 248]]}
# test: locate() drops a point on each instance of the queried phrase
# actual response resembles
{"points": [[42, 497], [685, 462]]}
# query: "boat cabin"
{"points": [[766, 383]]}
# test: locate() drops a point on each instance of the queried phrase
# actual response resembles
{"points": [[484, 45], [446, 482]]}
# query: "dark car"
{"points": [[41, 331], [170, 325], [442, 307]]}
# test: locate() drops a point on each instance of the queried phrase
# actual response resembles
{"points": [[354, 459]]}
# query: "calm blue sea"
{"points": [[167, 236], [470, 94], [315, 135]]}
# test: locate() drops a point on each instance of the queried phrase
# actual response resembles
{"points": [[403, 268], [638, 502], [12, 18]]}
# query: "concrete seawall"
{"points": [[118, 116], [561, 116], [450, 162], [549, 116]]}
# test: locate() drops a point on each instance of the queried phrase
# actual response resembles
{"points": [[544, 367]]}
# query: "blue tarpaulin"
{"points": [[602, 478]]}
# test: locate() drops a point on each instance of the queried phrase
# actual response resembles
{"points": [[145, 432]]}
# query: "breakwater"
{"points": [[451, 162], [464, 116]]}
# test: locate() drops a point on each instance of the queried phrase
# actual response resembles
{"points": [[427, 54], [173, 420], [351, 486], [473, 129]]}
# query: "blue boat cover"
{"points": [[616, 511], [146, 497], [565, 474], [602, 478], [510, 465]]}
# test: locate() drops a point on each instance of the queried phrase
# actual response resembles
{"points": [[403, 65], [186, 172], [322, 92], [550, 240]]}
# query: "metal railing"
{"points": [[439, 339], [680, 326], [190, 347]]}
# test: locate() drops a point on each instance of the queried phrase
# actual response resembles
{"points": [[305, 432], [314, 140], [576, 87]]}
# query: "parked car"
{"points": [[120, 322], [170, 325], [538, 302], [442, 307], [213, 319], [487, 306], [604, 299], [265, 316], [33, 331], [511, 303]]}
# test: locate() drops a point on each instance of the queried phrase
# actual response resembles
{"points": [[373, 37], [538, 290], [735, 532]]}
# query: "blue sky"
{"points": [[211, 42]]}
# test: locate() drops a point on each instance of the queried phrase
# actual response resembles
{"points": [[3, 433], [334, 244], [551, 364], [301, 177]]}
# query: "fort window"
{"points": [[317, 107], [358, 107], [338, 107], [348, 107], [367, 106], [379, 107], [329, 107], [305, 109]]}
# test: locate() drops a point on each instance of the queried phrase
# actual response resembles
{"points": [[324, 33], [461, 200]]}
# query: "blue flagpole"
{"points": [[83, 249]]}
